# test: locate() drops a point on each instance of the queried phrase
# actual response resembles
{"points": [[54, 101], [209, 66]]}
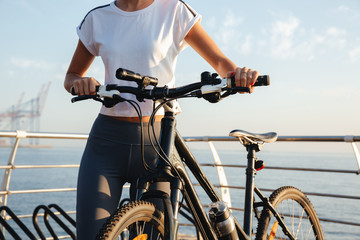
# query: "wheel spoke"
{"points": [[297, 213]]}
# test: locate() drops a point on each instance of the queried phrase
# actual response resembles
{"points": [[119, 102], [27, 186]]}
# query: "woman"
{"points": [[144, 36]]}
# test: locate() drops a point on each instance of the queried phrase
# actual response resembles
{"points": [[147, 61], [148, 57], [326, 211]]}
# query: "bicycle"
{"points": [[140, 219]]}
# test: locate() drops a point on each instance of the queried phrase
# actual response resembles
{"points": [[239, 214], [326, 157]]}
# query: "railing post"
{"points": [[357, 155], [7, 174], [350, 139], [225, 192]]}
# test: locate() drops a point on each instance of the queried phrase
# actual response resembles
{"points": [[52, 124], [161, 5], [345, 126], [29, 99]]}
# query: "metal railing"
{"points": [[347, 138], [223, 186], [5, 190]]}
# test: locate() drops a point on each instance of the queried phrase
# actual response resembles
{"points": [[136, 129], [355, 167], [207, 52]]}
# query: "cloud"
{"points": [[347, 12], [288, 39], [27, 6], [10, 73], [335, 37], [230, 33], [288, 36], [232, 21], [246, 47], [31, 63], [354, 53], [283, 36], [285, 28]]}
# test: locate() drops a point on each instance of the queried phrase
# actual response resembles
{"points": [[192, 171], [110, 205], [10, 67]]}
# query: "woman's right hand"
{"points": [[85, 86]]}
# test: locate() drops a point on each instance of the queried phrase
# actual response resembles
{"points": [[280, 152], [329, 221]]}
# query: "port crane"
{"points": [[25, 115]]}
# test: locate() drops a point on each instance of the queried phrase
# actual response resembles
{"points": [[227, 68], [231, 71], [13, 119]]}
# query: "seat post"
{"points": [[250, 183]]}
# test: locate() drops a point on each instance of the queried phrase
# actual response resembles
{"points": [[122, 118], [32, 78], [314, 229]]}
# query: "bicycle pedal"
{"points": [[259, 164]]}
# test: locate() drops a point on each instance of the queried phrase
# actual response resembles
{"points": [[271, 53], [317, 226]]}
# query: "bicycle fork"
{"points": [[163, 174]]}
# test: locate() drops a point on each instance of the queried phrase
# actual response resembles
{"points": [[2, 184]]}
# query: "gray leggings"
{"points": [[111, 158]]}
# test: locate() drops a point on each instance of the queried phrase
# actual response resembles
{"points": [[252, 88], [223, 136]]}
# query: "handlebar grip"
{"points": [[263, 80], [82, 97]]}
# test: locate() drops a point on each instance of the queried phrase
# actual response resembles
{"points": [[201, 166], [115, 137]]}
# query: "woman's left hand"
{"points": [[244, 77]]}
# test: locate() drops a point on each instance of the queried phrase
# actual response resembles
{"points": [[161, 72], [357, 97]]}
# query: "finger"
{"points": [[230, 74], [255, 75], [92, 86], [237, 77], [82, 87], [249, 78], [78, 88], [86, 86], [243, 77]]}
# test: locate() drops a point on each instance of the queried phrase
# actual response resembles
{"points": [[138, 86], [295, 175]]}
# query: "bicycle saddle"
{"points": [[254, 137]]}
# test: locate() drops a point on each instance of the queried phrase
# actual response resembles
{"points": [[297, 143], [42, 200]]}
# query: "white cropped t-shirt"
{"points": [[147, 41]]}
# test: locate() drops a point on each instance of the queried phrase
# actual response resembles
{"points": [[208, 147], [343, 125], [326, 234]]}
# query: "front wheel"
{"points": [[136, 220], [296, 211]]}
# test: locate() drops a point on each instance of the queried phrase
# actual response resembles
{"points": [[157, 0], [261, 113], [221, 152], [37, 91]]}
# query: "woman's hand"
{"points": [[244, 77], [85, 86]]}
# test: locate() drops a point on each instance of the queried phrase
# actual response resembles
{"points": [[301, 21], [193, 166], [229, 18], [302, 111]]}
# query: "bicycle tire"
{"points": [[133, 220], [297, 212]]}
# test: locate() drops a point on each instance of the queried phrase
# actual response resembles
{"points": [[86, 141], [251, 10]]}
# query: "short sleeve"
{"points": [[186, 17], [85, 32]]}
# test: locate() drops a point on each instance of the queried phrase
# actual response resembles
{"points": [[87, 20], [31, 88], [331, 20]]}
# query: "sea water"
{"points": [[313, 182]]}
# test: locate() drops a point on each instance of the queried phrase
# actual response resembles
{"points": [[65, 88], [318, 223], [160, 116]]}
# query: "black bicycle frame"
{"points": [[168, 138]]}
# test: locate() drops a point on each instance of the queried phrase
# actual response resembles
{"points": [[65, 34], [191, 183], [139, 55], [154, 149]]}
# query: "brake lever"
{"points": [[206, 89], [104, 92]]}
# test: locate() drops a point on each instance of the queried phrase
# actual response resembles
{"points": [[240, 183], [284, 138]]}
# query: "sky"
{"points": [[310, 49]]}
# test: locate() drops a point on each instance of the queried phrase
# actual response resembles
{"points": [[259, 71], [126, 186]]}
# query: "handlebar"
{"points": [[209, 88]]}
